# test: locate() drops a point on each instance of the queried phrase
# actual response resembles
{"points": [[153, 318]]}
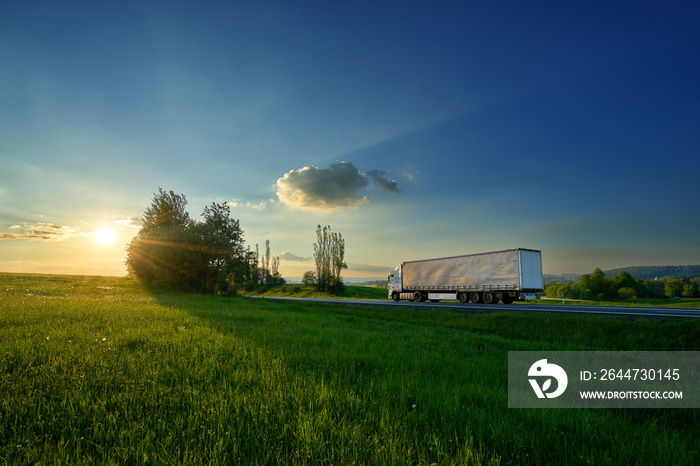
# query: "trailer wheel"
{"points": [[507, 300], [418, 296], [395, 296], [462, 297], [475, 298], [490, 298]]}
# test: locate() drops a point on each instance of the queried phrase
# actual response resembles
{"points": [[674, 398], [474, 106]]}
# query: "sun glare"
{"points": [[105, 236]]}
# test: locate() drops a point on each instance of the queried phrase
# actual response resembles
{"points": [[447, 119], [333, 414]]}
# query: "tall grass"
{"points": [[97, 371]]}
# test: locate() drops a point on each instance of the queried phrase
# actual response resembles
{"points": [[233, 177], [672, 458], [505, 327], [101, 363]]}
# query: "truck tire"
{"points": [[462, 297], [489, 298], [475, 297], [507, 300], [395, 296]]}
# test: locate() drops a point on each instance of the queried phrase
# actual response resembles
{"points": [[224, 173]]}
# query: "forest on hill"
{"points": [[624, 286], [652, 272]]}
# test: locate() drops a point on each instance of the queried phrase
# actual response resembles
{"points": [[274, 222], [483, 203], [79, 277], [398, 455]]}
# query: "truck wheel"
{"points": [[395, 296], [475, 298], [490, 298], [418, 296], [462, 297], [507, 300]]}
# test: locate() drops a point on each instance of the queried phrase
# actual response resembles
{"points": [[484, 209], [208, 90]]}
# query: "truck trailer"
{"points": [[489, 277]]}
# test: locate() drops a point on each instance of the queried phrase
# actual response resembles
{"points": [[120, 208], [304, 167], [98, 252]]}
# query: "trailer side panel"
{"points": [[493, 269]]}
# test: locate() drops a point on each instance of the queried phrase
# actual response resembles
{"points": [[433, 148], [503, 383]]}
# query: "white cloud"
{"points": [[40, 232], [132, 222], [340, 186], [259, 206], [288, 256]]}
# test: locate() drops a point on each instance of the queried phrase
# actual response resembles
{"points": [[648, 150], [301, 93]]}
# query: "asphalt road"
{"points": [[629, 311]]}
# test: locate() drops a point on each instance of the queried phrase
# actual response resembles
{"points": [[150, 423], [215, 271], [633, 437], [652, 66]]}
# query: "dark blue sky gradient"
{"points": [[570, 127]]}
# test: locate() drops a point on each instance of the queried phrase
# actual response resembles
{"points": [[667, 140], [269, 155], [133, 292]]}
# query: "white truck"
{"points": [[509, 275]]}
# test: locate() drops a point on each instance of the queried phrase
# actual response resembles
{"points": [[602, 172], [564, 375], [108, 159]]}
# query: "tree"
{"points": [[264, 271], [177, 252], [599, 284], [337, 261], [309, 278], [167, 211], [673, 288], [626, 293], [329, 255], [223, 245], [620, 281], [266, 263], [688, 290], [155, 253], [322, 258]]}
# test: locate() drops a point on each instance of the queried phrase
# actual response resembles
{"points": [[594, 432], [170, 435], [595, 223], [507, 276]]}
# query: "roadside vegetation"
{"points": [[624, 287], [176, 252], [309, 291], [97, 370]]}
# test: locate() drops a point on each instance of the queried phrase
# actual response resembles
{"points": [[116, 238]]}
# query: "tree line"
{"points": [[623, 286], [173, 250]]}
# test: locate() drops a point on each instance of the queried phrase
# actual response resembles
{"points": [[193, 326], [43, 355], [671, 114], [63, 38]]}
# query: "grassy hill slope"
{"points": [[652, 272]]}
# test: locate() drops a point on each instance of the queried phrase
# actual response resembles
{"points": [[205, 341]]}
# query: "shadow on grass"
{"points": [[441, 380]]}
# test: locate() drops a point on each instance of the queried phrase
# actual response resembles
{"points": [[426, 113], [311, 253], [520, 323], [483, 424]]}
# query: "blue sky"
{"points": [[416, 129]]}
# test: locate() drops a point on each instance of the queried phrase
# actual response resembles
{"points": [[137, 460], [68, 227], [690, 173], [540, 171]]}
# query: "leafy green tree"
{"points": [[174, 251], [641, 288], [600, 284], [223, 249], [626, 293], [688, 290], [167, 211], [309, 278], [263, 271], [152, 255], [595, 286], [337, 261], [585, 283], [623, 280], [673, 288], [329, 255], [559, 290], [655, 289]]}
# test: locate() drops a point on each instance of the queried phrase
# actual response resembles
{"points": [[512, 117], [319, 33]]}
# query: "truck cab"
{"points": [[395, 283]]}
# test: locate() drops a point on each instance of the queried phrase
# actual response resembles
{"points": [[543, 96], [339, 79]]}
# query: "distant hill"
{"points": [[657, 271], [561, 277]]}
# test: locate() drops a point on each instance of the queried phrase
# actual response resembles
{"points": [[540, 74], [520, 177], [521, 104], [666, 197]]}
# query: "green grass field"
{"points": [[350, 292], [95, 370]]}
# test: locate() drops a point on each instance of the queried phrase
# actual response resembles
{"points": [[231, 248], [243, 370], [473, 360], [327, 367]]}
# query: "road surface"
{"points": [[629, 311]]}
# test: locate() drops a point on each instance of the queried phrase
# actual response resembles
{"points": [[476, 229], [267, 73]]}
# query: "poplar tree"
{"points": [[329, 255]]}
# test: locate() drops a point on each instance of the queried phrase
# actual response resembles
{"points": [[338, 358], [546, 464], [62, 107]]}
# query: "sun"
{"points": [[105, 236]]}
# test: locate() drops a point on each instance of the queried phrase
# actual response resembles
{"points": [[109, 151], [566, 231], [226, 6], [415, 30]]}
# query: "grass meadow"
{"points": [[96, 370]]}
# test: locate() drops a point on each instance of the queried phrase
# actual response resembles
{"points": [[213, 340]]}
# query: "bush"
{"points": [[626, 293], [309, 278]]}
